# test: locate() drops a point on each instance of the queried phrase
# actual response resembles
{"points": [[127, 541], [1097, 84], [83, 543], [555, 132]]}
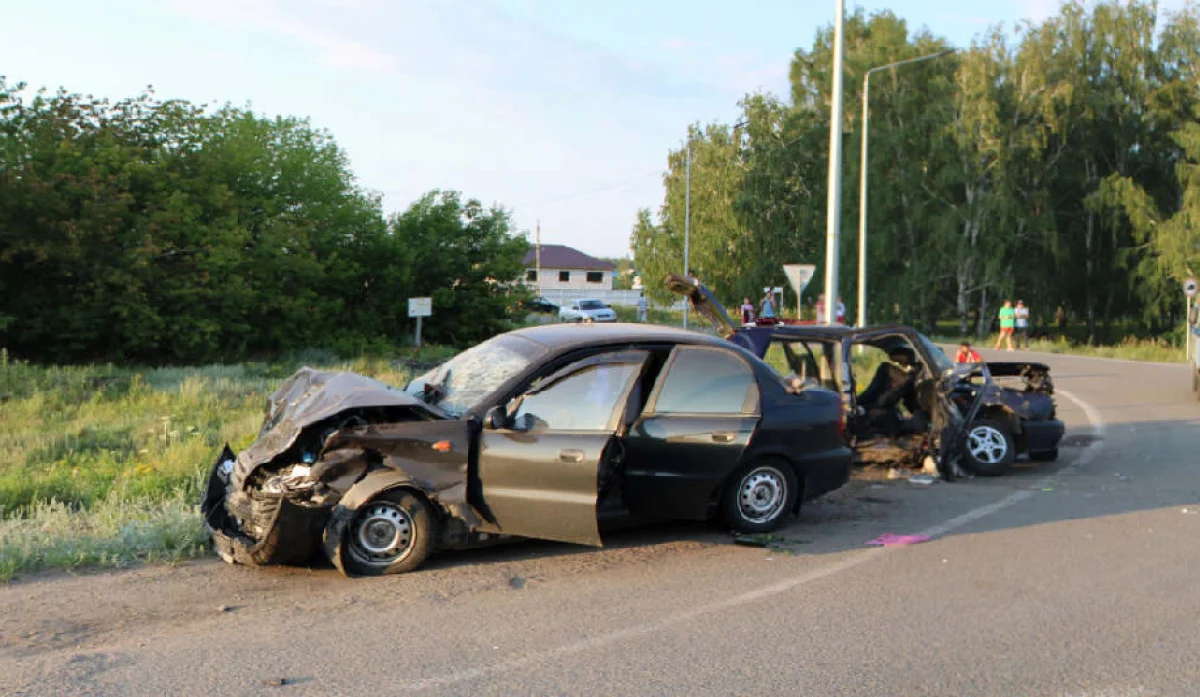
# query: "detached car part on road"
{"points": [[960, 415], [542, 432]]}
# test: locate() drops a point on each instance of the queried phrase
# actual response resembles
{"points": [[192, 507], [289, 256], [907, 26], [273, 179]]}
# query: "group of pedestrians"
{"points": [[1014, 321], [766, 310]]}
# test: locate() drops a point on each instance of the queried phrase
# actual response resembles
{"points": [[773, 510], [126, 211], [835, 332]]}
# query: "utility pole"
{"points": [[862, 185], [687, 217], [537, 254], [833, 209]]}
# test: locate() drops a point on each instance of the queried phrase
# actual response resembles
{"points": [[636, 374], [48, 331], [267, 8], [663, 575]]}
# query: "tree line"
{"points": [[160, 231], [1057, 162]]}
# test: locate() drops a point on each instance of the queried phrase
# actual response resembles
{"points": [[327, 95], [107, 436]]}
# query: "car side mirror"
{"points": [[496, 418]]}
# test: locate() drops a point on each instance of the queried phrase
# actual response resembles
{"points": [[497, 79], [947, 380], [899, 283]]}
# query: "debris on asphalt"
{"points": [[225, 608], [1121, 477], [516, 583], [1190, 511], [888, 539], [1047, 488], [275, 682], [895, 473], [925, 479]]}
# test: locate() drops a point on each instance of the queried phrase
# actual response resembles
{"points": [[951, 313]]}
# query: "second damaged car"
{"points": [[545, 432], [905, 401]]}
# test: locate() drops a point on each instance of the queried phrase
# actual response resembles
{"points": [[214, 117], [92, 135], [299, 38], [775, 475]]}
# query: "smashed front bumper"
{"points": [[257, 527]]}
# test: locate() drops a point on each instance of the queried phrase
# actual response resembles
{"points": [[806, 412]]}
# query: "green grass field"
{"points": [[103, 465]]}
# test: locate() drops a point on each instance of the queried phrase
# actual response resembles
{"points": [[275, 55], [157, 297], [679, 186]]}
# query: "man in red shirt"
{"points": [[966, 354]]}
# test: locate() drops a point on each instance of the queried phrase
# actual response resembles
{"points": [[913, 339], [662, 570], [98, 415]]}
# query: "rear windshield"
{"points": [[591, 305]]}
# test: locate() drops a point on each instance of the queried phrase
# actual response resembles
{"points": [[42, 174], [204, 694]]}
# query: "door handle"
{"points": [[722, 436], [573, 456]]}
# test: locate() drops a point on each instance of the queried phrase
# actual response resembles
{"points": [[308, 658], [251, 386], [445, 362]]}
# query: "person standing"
{"points": [[841, 311], [747, 312], [1021, 316], [820, 309], [768, 308], [966, 354], [643, 307], [1007, 322]]}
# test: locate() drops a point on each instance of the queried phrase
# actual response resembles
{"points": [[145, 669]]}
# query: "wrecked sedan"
{"points": [[544, 432], [905, 400]]}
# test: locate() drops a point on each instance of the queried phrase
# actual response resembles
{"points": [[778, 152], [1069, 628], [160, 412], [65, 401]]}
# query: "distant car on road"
{"points": [[542, 306], [543, 432], [580, 310]]}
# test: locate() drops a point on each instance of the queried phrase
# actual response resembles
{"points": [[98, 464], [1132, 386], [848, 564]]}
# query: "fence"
{"points": [[627, 298]]}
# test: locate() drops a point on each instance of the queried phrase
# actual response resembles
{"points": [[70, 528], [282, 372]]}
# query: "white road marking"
{"points": [[455, 677]]}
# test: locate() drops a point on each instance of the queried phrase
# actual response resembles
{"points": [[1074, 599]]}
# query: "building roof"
{"points": [[559, 256]]}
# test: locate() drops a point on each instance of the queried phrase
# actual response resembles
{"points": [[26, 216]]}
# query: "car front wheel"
{"points": [[759, 496], [390, 534], [989, 449]]}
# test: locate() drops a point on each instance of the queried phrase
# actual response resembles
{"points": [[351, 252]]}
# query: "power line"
{"points": [[589, 192]]}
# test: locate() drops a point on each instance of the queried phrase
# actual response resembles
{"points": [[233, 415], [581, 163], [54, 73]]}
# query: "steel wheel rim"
{"points": [[987, 445], [761, 494], [382, 534]]}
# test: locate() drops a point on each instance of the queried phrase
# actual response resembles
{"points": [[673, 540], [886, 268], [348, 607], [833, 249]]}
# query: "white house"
{"points": [[564, 268]]}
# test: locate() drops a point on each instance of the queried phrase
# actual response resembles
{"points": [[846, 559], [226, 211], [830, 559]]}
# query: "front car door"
{"points": [[699, 418], [539, 474]]}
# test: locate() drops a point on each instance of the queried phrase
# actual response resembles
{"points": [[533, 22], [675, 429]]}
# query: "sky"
{"points": [[562, 111]]}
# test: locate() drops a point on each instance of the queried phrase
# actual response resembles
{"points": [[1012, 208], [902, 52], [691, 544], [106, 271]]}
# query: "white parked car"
{"points": [[581, 310]]}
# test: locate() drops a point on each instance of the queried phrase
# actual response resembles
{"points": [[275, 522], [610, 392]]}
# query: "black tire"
{"points": [[404, 517], [756, 487], [1044, 456], [988, 448]]}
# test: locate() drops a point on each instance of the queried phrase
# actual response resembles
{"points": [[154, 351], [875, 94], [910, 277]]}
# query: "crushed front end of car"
{"points": [[272, 503]]}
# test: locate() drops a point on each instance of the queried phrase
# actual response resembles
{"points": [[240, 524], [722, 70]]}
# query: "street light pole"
{"points": [[862, 186], [687, 217], [833, 209]]}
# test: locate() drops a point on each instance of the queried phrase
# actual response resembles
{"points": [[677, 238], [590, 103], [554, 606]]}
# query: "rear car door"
{"points": [[539, 475], [699, 418]]}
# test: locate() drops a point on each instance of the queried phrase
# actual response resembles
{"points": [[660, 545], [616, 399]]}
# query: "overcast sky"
{"points": [[561, 110]]}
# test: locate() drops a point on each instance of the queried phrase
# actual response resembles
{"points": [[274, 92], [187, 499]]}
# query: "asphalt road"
{"points": [[1077, 578]]}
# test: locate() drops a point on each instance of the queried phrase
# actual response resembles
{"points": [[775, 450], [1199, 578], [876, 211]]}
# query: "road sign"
{"points": [[799, 275], [1189, 287], [420, 307]]}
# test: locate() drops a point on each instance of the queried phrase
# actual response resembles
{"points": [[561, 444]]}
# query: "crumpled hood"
{"points": [[310, 396]]}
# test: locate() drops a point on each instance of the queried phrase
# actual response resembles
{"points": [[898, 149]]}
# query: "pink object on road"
{"points": [[888, 539]]}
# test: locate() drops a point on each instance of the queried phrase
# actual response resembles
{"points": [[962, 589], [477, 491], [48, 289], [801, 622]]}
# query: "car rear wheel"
{"points": [[390, 534], [759, 496], [989, 449]]}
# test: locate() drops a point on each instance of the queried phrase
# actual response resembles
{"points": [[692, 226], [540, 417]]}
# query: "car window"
{"points": [[591, 305], [582, 401], [477, 372], [706, 381]]}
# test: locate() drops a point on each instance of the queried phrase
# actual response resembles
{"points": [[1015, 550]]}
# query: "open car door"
{"points": [[703, 302], [540, 468]]}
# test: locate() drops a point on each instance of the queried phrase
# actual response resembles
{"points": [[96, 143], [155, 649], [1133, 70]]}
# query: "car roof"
{"points": [[837, 331], [579, 335]]}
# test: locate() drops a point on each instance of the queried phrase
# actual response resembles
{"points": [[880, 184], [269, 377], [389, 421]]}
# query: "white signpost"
{"points": [[799, 275], [419, 307]]}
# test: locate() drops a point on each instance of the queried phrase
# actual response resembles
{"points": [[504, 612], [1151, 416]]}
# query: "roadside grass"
{"points": [[1132, 348], [103, 465]]}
